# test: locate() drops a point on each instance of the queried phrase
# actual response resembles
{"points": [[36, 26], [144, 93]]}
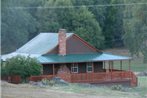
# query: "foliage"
{"points": [[86, 26], [116, 87], [4, 71], [102, 26], [48, 82], [20, 25], [136, 28], [23, 66], [113, 25], [16, 25]]}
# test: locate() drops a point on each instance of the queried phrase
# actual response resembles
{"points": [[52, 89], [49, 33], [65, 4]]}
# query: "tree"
{"points": [[86, 26], [113, 25], [16, 25], [78, 20], [22, 66], [136, 30]]}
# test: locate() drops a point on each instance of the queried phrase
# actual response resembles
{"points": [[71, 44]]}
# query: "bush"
{"points": [[22, 66], [48, 82], [116, 87], [4, 72]]}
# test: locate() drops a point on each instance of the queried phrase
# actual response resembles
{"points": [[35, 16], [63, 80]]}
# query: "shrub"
{"points": [[48, 82], [45, 81], [22, 66], [4, 72], [116, 87]]}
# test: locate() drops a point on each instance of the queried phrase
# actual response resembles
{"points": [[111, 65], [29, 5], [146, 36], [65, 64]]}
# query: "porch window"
{"points": [[89, 67], [74, 68]]}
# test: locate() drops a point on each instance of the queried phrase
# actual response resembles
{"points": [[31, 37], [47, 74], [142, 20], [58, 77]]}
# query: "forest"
{"points": [[103, 23]]}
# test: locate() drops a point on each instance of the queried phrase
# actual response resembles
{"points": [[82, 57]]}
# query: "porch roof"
{"points": [[71, 58]]}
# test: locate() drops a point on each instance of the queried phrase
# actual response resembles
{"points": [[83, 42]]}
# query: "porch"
{"points": [[94, 72], [115, 76], [104, 77]]}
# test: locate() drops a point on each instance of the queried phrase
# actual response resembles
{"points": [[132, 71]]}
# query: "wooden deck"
{"points": [[115, 76], [99, 77]]}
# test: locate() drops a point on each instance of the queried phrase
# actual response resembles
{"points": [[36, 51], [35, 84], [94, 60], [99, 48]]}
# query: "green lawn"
{"points": [[137, 65], [126, 92]]}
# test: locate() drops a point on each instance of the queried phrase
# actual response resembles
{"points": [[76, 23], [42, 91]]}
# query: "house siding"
{"points": [[82, 67], [98, 66], [48, 68], [74, 46]]}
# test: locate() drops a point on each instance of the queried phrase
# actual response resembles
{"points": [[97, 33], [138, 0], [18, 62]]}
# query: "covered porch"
{"points": [[90, 69]]}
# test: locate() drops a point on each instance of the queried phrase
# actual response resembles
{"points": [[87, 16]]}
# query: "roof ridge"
{"points": [[54, 32]]}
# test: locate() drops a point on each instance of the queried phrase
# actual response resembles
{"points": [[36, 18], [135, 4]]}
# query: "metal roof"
{"points": [[41, 44], [70, 58], [10, 55]]}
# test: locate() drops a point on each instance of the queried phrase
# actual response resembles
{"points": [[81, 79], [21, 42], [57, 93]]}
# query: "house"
{"points": [[69, 57]]}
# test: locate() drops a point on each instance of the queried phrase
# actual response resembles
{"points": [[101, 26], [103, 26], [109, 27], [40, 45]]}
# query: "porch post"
{"points": [[121, 65], [92, 71], [92, 67], [104, 65], [129, 65], [111, 69], [130, 68], [53, 70], [109, 65], [112, 65], [121, 68]]}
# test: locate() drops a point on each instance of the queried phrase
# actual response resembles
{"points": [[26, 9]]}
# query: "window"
{"points": [[74, 68], [89, 67]]}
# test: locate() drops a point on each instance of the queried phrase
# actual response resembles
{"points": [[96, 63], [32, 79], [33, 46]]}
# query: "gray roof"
{"points": [[41, 44]]}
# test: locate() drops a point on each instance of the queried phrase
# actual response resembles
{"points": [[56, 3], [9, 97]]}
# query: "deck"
{"points": [[99, 77]]}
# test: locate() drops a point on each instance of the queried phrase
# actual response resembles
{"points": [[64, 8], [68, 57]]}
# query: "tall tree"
{"points": [[16, 25], [113, 25], [78, 20], [86, 26], [136, 30]]}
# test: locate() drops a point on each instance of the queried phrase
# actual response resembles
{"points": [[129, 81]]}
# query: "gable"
{"points": [[75, 45]]}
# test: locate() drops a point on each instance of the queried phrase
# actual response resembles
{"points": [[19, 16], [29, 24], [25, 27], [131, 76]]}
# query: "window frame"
{"points": [[73, 67], [89, 65]]}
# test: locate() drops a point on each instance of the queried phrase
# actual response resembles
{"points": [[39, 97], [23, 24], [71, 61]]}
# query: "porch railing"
{"points": [[39, 78], [101, 76], [98, 77]]}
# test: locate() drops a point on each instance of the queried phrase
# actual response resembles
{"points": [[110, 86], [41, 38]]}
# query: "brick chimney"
{"points": [[62, 42]]}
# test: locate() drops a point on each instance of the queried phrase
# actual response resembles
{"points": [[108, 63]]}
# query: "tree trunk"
{"points": [[145, 59], [145, 56]]}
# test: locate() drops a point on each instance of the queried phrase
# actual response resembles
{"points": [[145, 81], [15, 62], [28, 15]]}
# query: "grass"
{"points": [[140, 91], [142, 86], [126, 92], [137, 65]]}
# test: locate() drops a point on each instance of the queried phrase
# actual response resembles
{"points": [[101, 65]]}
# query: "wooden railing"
{"points": [[98, 77], [103, 77], [88, 77], [39, 78]]}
